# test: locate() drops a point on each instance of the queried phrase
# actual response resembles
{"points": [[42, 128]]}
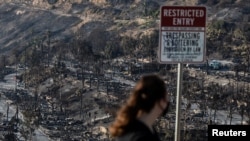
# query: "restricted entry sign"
{"points": [[182, 34]]}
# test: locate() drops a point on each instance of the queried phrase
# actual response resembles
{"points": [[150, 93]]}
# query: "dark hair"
{"points": [[149, 89]]}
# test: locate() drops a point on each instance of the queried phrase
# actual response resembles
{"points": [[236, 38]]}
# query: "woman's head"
{"points": [[149, 90]]}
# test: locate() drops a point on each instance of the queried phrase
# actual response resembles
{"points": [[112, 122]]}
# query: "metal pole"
{"points": [[179, 90]]}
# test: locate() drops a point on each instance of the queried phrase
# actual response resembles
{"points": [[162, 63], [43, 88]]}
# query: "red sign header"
{"points": [[183, 16]]}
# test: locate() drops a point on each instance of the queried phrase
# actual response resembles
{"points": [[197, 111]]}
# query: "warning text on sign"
{"points": [[182, 46]]}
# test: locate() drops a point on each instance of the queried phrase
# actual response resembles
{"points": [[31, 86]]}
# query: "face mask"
{"points": [[164, 112]]}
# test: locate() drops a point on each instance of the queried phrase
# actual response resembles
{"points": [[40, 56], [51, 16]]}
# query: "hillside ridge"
{"points": [[22, 22]]}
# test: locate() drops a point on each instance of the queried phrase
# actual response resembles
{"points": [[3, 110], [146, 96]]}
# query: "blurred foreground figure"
{"points": [[135, 119]]}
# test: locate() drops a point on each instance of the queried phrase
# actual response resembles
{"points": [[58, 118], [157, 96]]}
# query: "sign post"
{"points": [[182, 40]]}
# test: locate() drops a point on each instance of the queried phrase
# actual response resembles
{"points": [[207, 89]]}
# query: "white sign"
{"points": [[182, 34]]}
